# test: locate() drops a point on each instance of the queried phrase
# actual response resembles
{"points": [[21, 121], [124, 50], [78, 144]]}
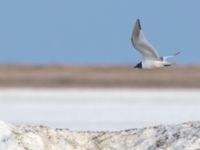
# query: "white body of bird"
{"points": [[151, 57], [150, 64]]}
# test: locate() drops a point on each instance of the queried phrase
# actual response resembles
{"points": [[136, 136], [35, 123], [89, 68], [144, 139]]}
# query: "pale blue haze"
{"points": [[96, 32]]}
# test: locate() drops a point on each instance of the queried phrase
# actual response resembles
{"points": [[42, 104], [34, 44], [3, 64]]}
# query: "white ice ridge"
{"points": [[172, 137]]}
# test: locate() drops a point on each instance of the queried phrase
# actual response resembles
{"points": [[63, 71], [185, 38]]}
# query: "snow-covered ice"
{"points": [[99, 109], [172, 137]]}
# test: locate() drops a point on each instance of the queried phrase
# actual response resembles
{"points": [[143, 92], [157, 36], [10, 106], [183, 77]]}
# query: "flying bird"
{"points": [[151, 58]]}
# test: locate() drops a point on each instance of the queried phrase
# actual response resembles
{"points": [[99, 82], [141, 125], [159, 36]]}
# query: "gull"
{"points": [[151, 58]]}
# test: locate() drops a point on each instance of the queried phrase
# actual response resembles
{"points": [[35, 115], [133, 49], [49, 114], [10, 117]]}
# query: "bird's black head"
{"points": [[139, 65]]}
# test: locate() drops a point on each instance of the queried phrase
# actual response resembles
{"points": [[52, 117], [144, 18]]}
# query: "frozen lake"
{"points": [[99, 109]]}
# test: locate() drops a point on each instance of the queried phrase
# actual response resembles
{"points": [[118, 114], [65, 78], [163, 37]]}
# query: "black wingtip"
{"points": [[177, 53], [139, 25]]}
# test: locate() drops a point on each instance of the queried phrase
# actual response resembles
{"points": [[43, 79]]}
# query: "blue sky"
{"points": [[96, 32]]}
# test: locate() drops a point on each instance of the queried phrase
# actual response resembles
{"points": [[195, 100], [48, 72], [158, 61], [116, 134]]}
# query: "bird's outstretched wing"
{"points": [[141, 44], [170, 56]]}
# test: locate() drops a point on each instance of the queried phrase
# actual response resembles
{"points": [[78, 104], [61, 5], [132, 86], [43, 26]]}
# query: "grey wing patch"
{"points": [[136, 33], [141, 44]]}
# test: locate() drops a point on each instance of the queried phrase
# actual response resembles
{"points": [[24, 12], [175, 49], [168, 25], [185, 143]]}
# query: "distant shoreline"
{"points": [[65, 76]]}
